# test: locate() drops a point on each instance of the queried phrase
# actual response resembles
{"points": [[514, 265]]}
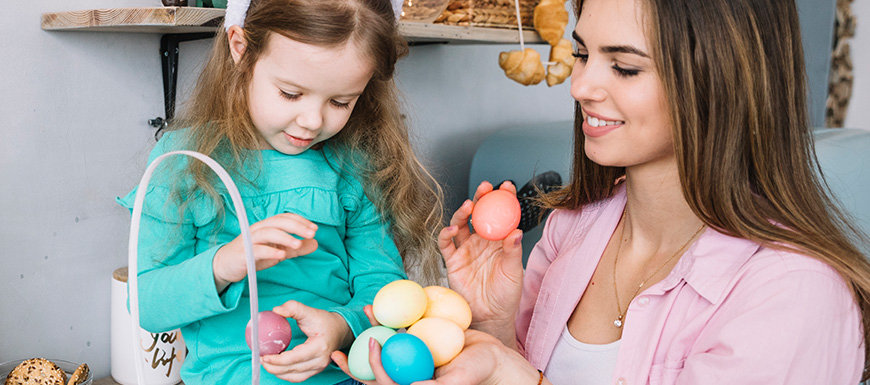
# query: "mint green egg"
{"points": [[358, 357]]}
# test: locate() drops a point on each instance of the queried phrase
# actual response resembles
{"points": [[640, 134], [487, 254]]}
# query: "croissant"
{"points": [[550, 19], [561, 55], [523, 66]]}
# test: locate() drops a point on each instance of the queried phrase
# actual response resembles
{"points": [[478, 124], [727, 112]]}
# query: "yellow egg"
{"points": [[443, 337], [446, 303], [399, 304]]}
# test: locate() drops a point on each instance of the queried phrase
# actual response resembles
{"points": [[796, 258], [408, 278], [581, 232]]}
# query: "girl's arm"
{"points": [[176, 283]]}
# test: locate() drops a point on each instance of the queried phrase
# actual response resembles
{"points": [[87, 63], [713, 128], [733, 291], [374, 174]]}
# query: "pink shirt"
{"points": [[730, 312]]}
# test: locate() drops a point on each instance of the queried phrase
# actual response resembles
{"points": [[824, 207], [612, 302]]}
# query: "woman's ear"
{"points": [[236, 38]]}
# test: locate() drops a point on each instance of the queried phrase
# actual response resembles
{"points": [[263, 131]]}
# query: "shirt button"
{"points": [[643, 301], [620, 381]]}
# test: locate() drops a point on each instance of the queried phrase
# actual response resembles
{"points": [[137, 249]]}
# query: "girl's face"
{"points": [[301, 94], [626, 120]]}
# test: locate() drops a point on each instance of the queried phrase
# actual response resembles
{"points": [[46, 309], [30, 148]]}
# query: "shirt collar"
{"points": [[711, 263]]}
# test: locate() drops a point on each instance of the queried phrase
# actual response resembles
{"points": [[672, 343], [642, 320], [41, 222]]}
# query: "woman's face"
{"points": [[614, 79]]}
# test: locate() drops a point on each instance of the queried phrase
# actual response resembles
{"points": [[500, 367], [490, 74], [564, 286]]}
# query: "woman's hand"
{"points": [[326, 331], [489, 274], [273, 242], [484, 360], [381, 377]]}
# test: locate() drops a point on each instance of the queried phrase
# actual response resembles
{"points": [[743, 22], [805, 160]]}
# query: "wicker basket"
{"points": [[488, 13]]}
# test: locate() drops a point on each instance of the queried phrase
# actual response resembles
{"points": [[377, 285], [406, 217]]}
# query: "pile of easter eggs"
{"points": [[435, 317]]}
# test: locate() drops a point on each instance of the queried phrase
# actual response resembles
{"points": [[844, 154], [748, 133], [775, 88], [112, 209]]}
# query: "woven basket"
{"points": [[488, 13]]}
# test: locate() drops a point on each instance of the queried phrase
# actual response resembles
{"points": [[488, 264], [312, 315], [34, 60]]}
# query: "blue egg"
{"points": [[406, 359]]}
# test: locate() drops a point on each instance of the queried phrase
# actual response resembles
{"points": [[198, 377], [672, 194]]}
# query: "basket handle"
{"points": [[246, 240]]}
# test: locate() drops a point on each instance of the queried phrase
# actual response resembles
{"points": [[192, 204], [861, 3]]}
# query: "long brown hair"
{"points": [[733, 74], [374, 143]]}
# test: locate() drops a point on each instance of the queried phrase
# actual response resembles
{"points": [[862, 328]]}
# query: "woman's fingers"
{"points": [[370, 313], [375, 361], [509, 186], [483, 188], [445, 240]]}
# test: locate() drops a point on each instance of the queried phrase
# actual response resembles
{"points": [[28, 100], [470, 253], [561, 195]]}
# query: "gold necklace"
{"points": [[621, 314]]}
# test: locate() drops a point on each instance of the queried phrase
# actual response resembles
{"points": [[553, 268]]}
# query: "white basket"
{"points": [[246, 239]]}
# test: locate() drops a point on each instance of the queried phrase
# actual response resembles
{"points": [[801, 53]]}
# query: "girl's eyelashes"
{"points": [[338, 104], [289, 96], [581, 56], [333, 102]]}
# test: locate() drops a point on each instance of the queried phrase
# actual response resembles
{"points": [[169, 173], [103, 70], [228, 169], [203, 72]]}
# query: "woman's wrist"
{"points": [[515, 369], [503, 330]]}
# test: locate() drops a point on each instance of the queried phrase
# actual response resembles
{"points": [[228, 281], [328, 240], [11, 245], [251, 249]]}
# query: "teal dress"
{"points": [[356, 256]]}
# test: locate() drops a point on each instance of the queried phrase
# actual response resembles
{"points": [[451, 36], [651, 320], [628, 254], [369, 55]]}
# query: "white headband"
{"points": [[238, 9]]}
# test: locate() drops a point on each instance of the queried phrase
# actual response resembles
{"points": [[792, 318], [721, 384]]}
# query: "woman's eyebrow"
{"points": [[613, 48]]}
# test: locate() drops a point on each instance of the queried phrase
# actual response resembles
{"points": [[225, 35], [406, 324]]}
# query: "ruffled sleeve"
{"points": [[373, 259], [175, 273]]}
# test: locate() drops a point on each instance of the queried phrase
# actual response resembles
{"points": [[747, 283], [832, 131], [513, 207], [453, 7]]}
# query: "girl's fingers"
{"points": [[299, 359], [308, 247], [275, 236], [289, 223]]}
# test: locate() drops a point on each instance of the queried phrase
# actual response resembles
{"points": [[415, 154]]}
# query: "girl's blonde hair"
{"points": [[733, 75], [375, 139]]}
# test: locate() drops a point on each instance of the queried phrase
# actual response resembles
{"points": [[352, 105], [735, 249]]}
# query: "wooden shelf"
{"points": [[174, 20]]}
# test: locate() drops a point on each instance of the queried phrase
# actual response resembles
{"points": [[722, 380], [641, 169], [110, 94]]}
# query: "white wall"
{"points": [[73, 136], [858, 115]]}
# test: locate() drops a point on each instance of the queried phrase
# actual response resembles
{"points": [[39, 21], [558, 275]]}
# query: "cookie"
{"points": [[80, 375], [36, 371]]}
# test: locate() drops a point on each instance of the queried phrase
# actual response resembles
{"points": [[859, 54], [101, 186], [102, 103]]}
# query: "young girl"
{"points": [[297, 102], [695, 243]]}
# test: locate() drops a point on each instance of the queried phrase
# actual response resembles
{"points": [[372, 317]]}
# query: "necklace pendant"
{"points": [[618, 322]]}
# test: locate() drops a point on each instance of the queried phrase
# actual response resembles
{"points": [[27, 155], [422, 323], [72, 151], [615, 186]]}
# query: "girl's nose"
{"points": [[587, 83], [310, 119]]}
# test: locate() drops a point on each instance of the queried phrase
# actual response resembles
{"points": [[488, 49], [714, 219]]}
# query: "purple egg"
{"points": [[274, 331]]}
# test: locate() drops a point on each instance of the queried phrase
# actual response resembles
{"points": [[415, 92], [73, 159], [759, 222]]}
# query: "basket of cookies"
{"points": [[488, 13], [44, 371]]}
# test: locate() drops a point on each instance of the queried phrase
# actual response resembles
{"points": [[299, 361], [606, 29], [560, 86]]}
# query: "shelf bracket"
{"points": [[169, 64]]}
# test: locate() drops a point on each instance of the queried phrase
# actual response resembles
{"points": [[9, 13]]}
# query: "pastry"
{"points": [[563, 62], [550, 19], [80, 375], [524, 66], [36, 371]]}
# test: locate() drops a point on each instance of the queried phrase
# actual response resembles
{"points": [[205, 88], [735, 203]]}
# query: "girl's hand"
{"points": [[273, 243], [326, 331], [489, 274]]}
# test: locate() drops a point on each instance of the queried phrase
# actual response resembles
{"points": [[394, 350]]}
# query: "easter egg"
{"points": [[406, 359], [446, 303], [495, 215], [274, 333], [399, 304], [358, 356], [443, 337]]}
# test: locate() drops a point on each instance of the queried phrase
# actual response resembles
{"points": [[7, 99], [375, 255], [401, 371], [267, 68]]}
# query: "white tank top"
{"points": [[577, 363]]}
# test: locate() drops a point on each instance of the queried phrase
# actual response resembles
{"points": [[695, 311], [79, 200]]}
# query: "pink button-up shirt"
{"points": [[730, 312]]}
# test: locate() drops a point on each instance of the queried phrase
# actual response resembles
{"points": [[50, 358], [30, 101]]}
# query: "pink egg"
{"points": [[495, 215], [274, 331]]}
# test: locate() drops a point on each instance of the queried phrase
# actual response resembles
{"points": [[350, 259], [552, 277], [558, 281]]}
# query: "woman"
{"points": [[694, 244]]}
